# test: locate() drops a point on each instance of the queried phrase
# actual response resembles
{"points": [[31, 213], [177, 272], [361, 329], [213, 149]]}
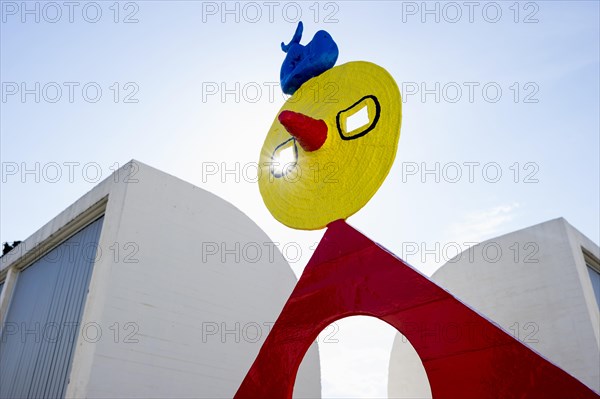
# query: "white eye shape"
{"points": [[284, 158], [358, 119]]}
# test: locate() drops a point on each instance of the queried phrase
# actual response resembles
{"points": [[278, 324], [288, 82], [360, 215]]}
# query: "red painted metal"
{"points": [[351, 275], [309, 132]]}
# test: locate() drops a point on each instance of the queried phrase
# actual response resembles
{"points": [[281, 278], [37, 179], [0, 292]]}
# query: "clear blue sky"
{"points": [[543, 56]]}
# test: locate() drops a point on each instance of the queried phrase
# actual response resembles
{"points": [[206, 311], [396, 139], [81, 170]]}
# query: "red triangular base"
{"points": [[351, 275]]}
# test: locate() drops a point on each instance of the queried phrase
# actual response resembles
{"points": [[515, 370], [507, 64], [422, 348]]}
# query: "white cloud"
{"points": [[482, 225]]}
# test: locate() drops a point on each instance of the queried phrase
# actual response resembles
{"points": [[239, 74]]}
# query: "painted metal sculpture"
{"points": [[351, 275], [305, 62]]}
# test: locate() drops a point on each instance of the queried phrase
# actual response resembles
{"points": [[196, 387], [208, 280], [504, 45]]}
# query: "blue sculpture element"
{"points": [[305, 62]]}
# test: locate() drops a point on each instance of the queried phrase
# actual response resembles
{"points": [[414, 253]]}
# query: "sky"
{"points": [[500, 126]]}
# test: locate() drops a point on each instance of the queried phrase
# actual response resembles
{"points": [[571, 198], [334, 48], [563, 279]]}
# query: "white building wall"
{"points": [[178, 317], [540, 293]]}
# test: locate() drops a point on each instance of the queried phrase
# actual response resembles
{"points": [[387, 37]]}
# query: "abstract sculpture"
{"points": [[351, 275], [305, 62]]}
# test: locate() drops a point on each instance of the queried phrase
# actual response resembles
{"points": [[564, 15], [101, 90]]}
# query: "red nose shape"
{"points": [[309, 133]]}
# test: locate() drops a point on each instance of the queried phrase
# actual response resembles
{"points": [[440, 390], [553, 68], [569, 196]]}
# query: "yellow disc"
{"points": [[360, 103]]}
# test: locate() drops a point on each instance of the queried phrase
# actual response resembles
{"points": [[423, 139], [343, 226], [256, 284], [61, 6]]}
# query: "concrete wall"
{"points": [[182, 294], [534, 284]]}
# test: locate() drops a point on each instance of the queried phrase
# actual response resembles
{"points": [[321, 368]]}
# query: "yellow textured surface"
{"points": [[338, 179]]}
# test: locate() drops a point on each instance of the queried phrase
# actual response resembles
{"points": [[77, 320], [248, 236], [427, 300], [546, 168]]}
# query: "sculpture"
{"points": [[348, 273]]}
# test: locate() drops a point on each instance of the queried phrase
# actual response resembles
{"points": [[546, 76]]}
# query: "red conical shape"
{"points": [[309, 133]]}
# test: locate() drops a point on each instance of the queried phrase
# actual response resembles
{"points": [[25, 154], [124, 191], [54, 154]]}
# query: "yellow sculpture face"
{"points": [[361, 106]]}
